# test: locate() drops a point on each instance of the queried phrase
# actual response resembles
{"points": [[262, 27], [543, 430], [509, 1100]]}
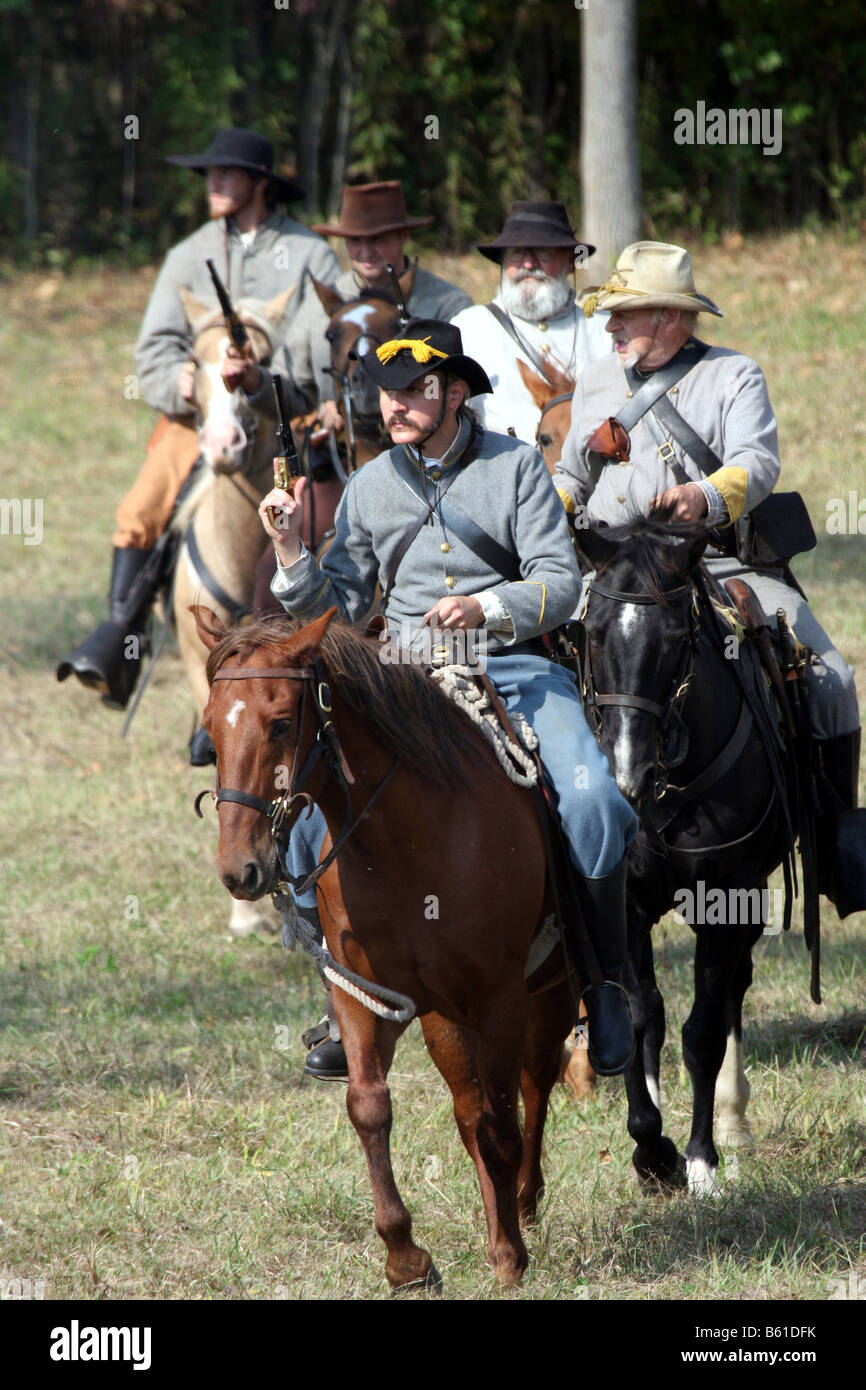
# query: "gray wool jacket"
{"points": [[506, 489], [431, 298], [281, 252], [724, 398]]}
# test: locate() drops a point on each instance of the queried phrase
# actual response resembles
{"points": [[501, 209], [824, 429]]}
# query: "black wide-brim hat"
{"points": [[241, 149], [426, 345], [534, 224]]}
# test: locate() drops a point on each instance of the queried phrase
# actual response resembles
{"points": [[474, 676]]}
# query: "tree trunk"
{"points": [[326, 25], [127, 40], [31, 135], [609, 150], [340, 160]]}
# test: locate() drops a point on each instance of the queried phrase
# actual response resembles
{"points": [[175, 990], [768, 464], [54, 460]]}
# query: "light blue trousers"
{"points": [[599, 823]]}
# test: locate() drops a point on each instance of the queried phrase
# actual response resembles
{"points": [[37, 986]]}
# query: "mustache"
{"points": [[526, 274]]}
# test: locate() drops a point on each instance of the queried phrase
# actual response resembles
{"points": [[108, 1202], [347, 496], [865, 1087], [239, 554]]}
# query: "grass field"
{"points": [[156, 1137]]}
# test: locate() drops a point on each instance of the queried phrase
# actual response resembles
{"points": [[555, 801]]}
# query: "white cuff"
{"points": [[717, 511], [288, 577], [496, 616]]}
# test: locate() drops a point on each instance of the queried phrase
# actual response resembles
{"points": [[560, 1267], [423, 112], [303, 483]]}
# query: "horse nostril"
{"points": [[251, 878]]}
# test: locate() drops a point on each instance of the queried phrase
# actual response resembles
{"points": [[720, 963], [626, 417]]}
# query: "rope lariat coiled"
{"points": [[459, 684]]}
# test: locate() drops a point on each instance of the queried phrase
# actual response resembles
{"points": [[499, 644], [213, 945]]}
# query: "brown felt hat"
{"points": [[370, 209]]}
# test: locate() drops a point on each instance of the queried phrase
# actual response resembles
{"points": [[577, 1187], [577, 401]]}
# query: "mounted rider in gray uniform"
{"points": [[701, 439]]}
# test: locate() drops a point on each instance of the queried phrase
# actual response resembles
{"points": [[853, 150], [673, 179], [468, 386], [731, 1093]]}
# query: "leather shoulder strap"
{"points": [[504, 320], [470, 533], [681, 431], [648, 390]]}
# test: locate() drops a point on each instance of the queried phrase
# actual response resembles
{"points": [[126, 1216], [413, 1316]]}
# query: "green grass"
{"points": [[154, 1141]]}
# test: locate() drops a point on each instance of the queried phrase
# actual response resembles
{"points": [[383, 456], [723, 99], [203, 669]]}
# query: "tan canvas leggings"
{"points": [[144, 512]]}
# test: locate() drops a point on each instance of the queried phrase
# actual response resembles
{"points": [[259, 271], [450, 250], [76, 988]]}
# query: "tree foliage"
{"points": [[470, 102]]}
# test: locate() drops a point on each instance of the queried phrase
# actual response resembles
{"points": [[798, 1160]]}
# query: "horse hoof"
{"points": [[660, 1168], [250, 917], [429, 1283]]}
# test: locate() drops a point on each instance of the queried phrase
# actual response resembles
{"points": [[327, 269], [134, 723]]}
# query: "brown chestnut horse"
{"points": [[437, 893], [553, 398], [356, 326]]}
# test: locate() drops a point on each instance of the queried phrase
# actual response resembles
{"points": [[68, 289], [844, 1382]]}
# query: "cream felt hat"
{"points": [[649, 275]]}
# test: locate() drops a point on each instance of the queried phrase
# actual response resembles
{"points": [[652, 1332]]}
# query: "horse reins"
{"points": [[281, 807]]}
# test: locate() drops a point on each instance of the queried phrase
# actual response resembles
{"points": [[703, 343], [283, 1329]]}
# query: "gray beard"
{"points": [[549, 296]]}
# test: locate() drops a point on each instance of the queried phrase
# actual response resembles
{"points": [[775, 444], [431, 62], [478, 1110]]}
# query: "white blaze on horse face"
{"points": [[623, 749], [222, 436], [234, 712], [361, 315]]}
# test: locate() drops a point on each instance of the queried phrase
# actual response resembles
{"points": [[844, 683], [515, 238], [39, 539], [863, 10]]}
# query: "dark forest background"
{"points": [[345, 89]]}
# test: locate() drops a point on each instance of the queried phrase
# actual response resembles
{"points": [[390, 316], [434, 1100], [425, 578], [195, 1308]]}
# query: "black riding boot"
{"points": [[611, 1036], [841, 830], [110, 659], [326, 1059], [201, 749]]}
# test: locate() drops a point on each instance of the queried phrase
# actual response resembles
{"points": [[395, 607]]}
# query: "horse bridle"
{"points": [[665, 714], [345, 381], [326, 743], [554, 400]]}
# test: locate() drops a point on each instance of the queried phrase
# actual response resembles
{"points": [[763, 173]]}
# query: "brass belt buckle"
{"points": [[666, 451]]}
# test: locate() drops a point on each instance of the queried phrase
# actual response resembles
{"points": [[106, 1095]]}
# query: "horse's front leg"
{"points": [[732, 1085], [369, 1044], [655, 1157], [718, 957], [482, 1068]]}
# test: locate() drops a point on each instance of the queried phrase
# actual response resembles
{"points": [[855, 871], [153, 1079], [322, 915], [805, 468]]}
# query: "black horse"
{"points": [[669, 691]]}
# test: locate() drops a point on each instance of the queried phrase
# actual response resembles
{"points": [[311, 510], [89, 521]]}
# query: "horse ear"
{"points": [[537, 387], [210, 628], [193, 308], [275, 308], [595, 546], [331, 300], [307, 641], [689, 553], [407, 281]]}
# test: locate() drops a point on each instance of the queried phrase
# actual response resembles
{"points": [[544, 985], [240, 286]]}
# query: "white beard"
{"points": [[533, 295]]}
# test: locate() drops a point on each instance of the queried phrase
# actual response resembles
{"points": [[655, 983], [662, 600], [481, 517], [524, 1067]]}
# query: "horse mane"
{"points": [[400, 705], [650, 548], [560, 381], [374, 292]]}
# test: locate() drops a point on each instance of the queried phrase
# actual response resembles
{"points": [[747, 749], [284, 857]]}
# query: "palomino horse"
{"points": [[665, 696], [222, 533], [437, 893], [553, 398]]}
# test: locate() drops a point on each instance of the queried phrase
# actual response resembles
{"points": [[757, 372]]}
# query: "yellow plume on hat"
{"points": [[419, 347]]}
